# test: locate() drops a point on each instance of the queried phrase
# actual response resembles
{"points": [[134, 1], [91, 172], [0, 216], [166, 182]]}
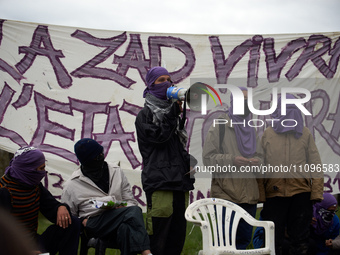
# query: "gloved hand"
{"points": [[175, 110]]}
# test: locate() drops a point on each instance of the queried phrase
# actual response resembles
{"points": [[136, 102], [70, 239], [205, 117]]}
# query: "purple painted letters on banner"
{"points": [[134, 57]]}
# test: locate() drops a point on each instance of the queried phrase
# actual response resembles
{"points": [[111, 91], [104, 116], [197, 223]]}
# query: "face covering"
{"points": [[159, 90], [94, 168], [293, 113], [324, 217], [156, 90], [24, 164], [245, 135], [246, 109]]}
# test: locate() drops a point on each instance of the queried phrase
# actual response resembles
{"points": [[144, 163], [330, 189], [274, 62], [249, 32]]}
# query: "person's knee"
{"points": [[134, 211], [76, 221], [75, 225], [134, 216]]}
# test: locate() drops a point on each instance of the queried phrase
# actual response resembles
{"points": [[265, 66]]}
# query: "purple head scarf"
{"points": [[245, 135], [292, 112], [324, 218], [24, 164], [157, 90]]}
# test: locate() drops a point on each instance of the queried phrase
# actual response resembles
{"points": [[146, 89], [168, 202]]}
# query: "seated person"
{"points": [[97, 181], [23, 195], [325, 225]]}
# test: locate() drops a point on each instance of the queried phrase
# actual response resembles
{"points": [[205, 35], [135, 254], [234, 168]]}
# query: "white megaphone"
{"points": [[176, 93], [193, 95]]}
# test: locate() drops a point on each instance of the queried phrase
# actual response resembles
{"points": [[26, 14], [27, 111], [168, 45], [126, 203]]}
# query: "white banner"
{"points": [[60, 84]]}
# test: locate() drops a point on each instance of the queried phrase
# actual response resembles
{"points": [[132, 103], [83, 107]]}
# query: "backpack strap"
{"points": [[221, 135]]}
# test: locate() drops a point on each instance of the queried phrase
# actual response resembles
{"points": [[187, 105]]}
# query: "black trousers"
{"points": [[292, 217], [122, 226], [65, 241], [168, 231]]}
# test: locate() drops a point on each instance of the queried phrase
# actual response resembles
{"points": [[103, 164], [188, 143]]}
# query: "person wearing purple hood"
{"points": [[236, 145], [288, 196], [166, 162], [23, 195], [325, 226]]}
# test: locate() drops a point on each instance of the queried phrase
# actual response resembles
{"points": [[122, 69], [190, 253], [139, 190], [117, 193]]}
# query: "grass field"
{"points": [[193, 242]]}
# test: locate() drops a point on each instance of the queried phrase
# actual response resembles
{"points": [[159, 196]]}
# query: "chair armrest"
{"points": [[196, 222]]}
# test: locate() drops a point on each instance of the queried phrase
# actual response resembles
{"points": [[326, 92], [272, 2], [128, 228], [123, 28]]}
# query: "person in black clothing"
{"points": [[98, 183], [23, 195], [166, 165]]}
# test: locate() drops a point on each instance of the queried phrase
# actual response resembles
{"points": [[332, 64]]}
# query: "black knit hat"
{"points": [[87, 149]]}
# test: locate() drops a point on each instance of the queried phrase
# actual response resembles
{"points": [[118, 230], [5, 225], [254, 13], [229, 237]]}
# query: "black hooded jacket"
{"points": [[165, 161]]}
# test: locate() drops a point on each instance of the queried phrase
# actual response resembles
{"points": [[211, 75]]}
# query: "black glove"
{"points": [[174, 111], [177, 109]]}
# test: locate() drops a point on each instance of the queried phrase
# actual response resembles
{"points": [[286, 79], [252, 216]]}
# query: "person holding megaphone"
{"points": [[162, 141]]}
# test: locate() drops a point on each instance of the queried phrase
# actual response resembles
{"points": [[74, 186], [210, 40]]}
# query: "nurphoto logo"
{"points": [[200, 92]]}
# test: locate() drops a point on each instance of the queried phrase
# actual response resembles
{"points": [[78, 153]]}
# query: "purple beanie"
{"points": [[154, 73]]}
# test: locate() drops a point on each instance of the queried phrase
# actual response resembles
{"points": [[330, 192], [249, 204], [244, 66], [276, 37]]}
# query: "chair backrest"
{"points": [[218, 220]]}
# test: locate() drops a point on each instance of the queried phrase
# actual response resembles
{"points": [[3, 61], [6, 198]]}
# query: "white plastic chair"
{"points": [[207, 213]]}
